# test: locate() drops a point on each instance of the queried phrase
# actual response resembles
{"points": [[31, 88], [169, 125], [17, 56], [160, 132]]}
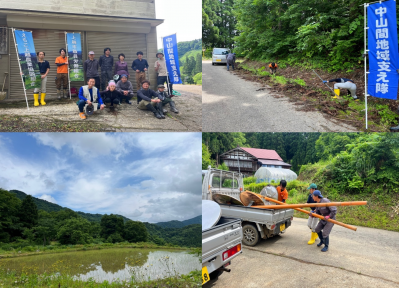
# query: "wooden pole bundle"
{"points": [[292, 206], [301, 210]]}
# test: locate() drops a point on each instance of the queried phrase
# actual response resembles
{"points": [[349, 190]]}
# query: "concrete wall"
{"points": [[125, 8]]}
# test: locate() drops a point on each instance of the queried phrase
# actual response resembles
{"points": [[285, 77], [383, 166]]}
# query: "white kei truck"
{"points": [[237, 222]]}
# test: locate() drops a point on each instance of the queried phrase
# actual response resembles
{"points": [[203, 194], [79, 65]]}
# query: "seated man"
{"points": [[125, 88], [111, 96], [89, 94], [166, 99], [144, 95]]}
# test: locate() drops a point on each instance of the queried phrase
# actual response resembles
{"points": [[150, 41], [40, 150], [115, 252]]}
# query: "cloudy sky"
{"points": [[182, 17], [149, 177]]}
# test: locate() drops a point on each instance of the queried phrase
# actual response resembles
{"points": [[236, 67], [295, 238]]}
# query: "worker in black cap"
{"points": [[323, 229], [166, 99]]}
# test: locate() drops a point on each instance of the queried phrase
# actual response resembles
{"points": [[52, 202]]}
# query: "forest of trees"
{"points": [[298, 149], [327, 32], [21, 222]]}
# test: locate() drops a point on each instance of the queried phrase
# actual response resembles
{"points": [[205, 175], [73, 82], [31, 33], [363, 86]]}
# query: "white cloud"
{"points": [[162, 185], [48, 198]]}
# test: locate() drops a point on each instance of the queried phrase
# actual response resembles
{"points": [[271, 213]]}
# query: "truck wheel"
{"points": [[215, 274], [250, 235]]}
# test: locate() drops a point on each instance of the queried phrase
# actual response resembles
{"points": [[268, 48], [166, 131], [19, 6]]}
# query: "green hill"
{"points": [[180, 224], [51, 207], [182, 233]]}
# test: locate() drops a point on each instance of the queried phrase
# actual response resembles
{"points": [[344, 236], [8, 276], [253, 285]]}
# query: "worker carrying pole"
{"points": [[344, 83]]}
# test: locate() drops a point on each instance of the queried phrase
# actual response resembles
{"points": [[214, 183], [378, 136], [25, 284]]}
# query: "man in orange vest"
{"points": [[282, 192], [273, 67]]}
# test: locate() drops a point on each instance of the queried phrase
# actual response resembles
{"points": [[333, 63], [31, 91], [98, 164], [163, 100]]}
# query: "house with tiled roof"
{"points": [[249, 160]]}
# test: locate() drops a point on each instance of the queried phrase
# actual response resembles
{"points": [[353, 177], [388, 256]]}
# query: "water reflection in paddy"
{"points": [[108, 264]]}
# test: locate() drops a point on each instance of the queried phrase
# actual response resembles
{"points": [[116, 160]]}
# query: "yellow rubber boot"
{"points": [[336, 96], [313, 238], [42, 96], [36, 99]]}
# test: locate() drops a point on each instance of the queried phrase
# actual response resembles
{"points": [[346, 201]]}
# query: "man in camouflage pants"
{"points": [[106, 63], [323, 229]]}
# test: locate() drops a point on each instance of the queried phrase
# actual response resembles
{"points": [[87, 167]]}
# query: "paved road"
{"points": [[231, 104], [365, 258]]}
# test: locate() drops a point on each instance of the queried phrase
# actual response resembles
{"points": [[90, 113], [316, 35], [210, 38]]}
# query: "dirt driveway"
{"points": [[365, 258], [64, 115]]}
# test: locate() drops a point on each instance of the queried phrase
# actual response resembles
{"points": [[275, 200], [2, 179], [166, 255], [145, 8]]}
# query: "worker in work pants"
{"points": [[343, 83]]}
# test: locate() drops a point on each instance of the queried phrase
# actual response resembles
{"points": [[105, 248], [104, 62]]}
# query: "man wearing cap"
{"points": [[323, 229], [125, 87], [90, 66], [312, 221], [89, 94], [140, 65], [149, 100], [282, 192], [106, 63], [166, 99], [160, 67]]}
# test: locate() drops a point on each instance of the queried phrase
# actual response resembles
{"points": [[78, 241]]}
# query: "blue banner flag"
{"points": [[172, 58], [383, 50], [28, 59], [75, 59]]}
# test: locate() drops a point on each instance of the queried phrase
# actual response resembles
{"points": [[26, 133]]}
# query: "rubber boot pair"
{"points": [[159, 107], [58, 94], [173, 107], [65, 93], [326, 242], [153, 110], [36, 99], [337, 92], [313, 238]]}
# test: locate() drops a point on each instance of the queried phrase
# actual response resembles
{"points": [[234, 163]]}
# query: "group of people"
{"points": [[114, 83], [319, 229]]}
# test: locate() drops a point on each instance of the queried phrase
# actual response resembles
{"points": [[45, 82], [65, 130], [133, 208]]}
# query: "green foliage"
{"points": [[223, 167], [110, 225], [74, 231], [28, 212], [198, 78], [187, 236], [206, 157], [249, 180], [180, 224], [135, 231]]}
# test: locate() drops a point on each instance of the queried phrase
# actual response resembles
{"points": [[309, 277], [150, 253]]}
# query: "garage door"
{"points": [[126, 43], [49, 41]]}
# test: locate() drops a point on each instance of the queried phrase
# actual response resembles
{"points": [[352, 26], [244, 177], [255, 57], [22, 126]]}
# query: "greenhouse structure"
{"points": [[268, 174]]}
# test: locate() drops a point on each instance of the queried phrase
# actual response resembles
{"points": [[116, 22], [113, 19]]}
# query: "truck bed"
{"points": [[267, 217], [226, 234]]}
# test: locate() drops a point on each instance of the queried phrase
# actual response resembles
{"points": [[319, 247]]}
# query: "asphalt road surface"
{"points": [[365, 258], [232, 104]]}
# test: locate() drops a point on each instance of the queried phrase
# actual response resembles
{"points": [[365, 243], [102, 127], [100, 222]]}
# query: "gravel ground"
{"points": [[125, 118], [231, 104], [365, 258]]}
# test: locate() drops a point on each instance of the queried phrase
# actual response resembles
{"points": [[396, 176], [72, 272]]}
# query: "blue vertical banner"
{"points": [[172, 58], [75, 59], [383, 50], [28, 59]]}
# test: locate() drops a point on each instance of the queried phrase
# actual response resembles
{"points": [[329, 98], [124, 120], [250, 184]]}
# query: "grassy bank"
{"points": [[7, 251], [10, 279], [302, 85]]}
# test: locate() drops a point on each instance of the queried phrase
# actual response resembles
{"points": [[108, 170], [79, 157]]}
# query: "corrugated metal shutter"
{"points": [[49, 41], [126, 43]]}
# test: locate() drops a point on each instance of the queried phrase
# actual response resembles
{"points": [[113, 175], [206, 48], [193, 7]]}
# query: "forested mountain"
{"points": [[26, 220], [179, 224], [295, 148], [327, 32], [51, 207]]}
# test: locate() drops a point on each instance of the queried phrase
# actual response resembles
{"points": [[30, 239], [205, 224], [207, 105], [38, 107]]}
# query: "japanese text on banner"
{"points": [[75, 57], [172, 58], [383, 50], [28, 59]]}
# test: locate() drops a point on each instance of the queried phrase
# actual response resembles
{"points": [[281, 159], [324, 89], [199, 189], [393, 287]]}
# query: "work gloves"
{"points": [[324, 81]]}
